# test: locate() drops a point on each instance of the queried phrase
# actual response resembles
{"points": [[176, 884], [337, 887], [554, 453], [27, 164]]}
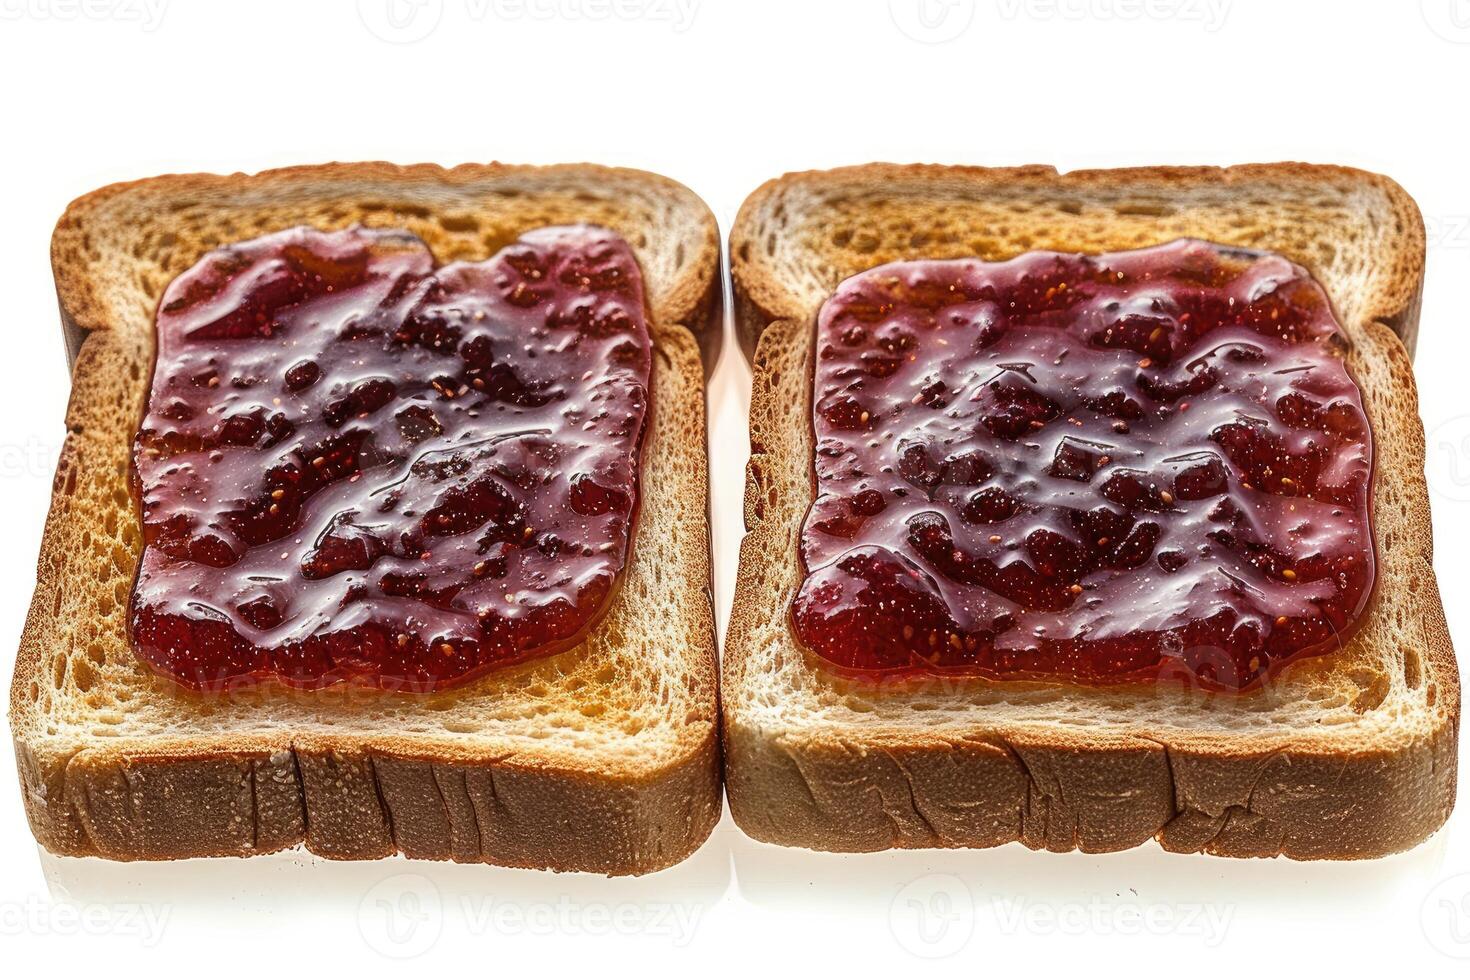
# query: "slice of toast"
{"points": [[1346, 755], [602, 758]]}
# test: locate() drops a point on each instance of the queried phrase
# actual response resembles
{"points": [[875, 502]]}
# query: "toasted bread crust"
{"points": [[761, 297], [983, 790], [973, 783], [348, 800], [356, 794], [692, 300]]}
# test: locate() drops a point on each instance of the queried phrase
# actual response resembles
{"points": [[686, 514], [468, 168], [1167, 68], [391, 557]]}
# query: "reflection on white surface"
{"points": [[930, 904], [279, 884]]}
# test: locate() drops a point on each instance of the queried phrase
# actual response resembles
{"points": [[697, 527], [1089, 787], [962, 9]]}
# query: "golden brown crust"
{"points": [[348, 800], [1124, 766], [415, 196], [935, 195], [308, 769]]}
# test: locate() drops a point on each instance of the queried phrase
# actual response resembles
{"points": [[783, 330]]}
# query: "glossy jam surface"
{"points": [[1091, 468], [356, 465]]}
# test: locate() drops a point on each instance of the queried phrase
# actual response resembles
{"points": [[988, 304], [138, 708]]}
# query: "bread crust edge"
{"points": [[760, 299], [349, 801], [856, 792], [349, 797], [836, 791], [693, 302]]}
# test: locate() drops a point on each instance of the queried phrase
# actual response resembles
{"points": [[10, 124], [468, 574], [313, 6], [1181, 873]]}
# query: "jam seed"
{"points": [[1289, 575]]}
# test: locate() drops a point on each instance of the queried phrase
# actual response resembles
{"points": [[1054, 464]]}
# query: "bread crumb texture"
{"points": [[1347, 755], [600, 758]]}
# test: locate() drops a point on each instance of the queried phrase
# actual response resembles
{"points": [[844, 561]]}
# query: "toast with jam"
{"points": [[380, 523], [1086, 509]]}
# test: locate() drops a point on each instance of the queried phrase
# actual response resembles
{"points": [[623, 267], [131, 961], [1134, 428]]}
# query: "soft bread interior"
{"points": [[635, 696], [1391, 684]]}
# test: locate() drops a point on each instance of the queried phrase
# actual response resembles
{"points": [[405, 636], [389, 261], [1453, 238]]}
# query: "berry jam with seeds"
{"points": [[1091, 468], [355, 465]]}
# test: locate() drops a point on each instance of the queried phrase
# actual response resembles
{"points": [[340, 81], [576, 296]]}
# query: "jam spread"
{"points": [[1090, 468], [355, 465]]}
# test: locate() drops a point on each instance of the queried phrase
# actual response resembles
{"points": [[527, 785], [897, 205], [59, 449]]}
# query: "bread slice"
{"points": [[1348, 755], [603, 758]]}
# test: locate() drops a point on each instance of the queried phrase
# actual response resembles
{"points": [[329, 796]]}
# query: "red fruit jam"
{"points": [[1091, 468], [356, 465]]}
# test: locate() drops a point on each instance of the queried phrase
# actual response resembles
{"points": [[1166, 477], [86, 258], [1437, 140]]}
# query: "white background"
{"points": [[723, 95]]}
